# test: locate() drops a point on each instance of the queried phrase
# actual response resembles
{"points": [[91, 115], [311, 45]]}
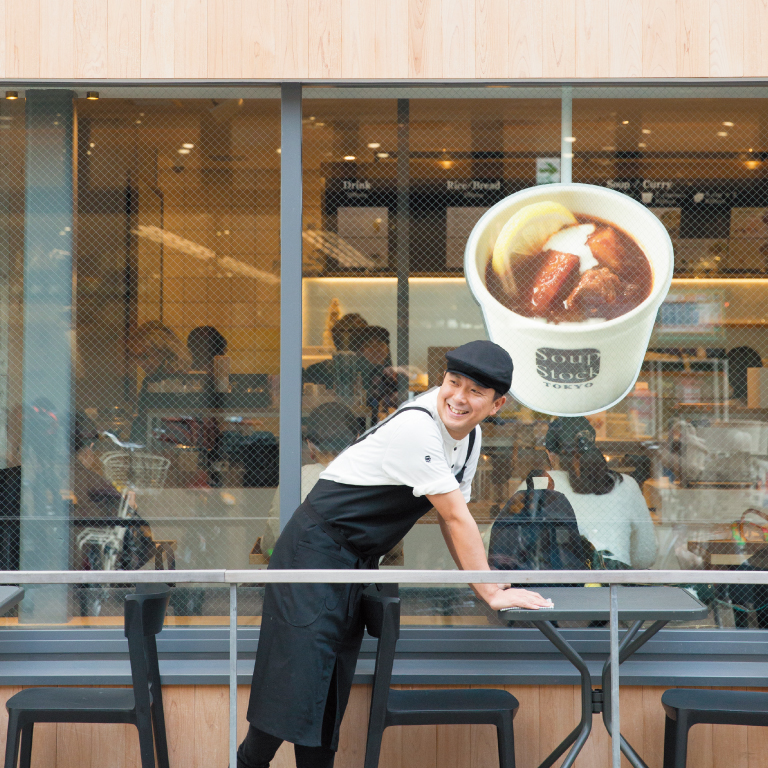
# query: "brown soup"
{"points": [[550, 286]]}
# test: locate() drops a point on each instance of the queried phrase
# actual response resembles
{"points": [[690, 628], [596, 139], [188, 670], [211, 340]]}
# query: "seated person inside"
{"points": [[609, 506], [331, 427]]}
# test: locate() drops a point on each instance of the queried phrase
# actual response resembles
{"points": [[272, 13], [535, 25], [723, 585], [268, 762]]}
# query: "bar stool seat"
{"points": [[685, 707], [463, 705], [141, 705], [90, 700]]}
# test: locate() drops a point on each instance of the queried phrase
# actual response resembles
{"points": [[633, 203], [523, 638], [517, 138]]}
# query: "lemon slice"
{"points": [[525, 234]]}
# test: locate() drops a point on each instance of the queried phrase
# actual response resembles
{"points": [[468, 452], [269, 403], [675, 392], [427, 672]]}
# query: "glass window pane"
{"points": [[393, 186]]}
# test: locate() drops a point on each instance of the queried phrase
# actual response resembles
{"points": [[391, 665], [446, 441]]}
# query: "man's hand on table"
{"points": [[517, 598]]}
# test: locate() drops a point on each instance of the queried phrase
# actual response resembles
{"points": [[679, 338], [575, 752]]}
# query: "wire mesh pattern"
{"points": [[393, 187], [165, 207]]}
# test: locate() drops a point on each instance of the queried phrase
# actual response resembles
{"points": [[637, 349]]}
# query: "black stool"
{"points": [[685, 707], [437, 707], [142, 706]]}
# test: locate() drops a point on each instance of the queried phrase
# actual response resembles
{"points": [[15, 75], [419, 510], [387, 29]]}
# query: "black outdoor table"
{"points": [[635, 604]]}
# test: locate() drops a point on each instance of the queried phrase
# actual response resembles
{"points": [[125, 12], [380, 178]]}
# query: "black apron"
{"points": [[311, 633]]}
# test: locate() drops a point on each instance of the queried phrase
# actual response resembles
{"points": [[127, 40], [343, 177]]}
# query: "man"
{"points": [[368, 498], [379, 378]]}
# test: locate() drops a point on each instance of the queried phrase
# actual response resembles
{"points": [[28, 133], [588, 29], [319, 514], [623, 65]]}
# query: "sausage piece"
{"points": [[551, 278]]}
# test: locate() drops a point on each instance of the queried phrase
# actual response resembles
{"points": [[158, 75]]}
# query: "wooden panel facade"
{"points": [[334, 39], [197, 722]]}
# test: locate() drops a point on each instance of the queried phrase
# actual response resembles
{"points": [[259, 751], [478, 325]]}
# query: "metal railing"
{"points": [[236, 578]]}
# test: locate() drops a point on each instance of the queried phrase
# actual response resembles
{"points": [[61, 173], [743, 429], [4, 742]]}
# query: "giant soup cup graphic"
{"points": [[574, 354]]}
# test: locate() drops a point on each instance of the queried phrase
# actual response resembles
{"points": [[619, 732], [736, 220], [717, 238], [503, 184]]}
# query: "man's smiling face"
{"points": [[463, 403]]}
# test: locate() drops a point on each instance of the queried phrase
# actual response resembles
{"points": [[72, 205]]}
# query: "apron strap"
{"points": [[387, 420], [460, 475]]}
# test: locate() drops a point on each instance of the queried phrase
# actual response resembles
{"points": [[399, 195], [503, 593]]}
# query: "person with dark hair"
{"points": [[366, 500], [379, 378], [330, 428], [204, 343], [341, 372], [740, 360], [609, 507]]}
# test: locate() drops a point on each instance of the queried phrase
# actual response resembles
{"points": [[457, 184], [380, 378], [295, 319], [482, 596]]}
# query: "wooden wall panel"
{"points": [[158, 44], [190, 38], [755, 38], [726, 38], [291, 38], [124, 38], [526, 39], [225, 55], [57, 48], [91, 38], [559, 40], [22, 38], [625, 19], [369, 39], [325, 28], [492, 53], [592, 37], [358, 38], [692, 38], [258, 45], [458, 34], [392, 39], [658, 38], [425, 49]]}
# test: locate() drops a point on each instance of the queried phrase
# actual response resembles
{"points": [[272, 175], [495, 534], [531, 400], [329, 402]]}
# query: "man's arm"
{"points": [[462, 536]]}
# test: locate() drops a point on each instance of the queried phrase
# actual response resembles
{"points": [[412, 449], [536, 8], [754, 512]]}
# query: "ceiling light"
{"points": [[188, 146], [382, 155], [642, 145], [728, 124], [278, 150], [446, 164], [722, 133], [752, 164], [138, 122], [350, 157], [374, 145], [92, 95], [183, 151], [11, 95], [625, 122], [91, 145], [609, 148], [646, 131], [569, 139]]}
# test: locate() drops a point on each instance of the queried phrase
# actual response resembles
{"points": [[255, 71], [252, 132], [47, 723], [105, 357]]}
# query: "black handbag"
{"points": [[537, 530]]}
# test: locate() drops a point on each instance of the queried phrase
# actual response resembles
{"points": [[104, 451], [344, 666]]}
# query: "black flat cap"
{"points": [[484, 362]]}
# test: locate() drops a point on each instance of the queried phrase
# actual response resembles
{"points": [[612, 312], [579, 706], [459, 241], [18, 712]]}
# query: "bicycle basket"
{"points": [[138, 470]]}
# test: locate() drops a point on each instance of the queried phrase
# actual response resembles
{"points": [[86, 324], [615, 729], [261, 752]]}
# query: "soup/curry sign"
{"points": [[551, 285]]}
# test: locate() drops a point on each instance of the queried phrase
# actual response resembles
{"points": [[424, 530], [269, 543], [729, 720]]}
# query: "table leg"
{"points": [[630, 643], [579, 735]]}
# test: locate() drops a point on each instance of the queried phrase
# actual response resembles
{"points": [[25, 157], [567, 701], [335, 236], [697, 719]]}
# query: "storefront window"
{"points": [[166, 401], [140, 328], [393, 187]]}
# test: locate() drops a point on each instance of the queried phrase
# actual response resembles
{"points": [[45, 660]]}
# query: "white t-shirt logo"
{"points": [[427, 459]]}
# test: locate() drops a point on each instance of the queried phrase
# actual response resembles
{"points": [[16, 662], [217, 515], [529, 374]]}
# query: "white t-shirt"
{"points": [[412, 449], [618, 522]]}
